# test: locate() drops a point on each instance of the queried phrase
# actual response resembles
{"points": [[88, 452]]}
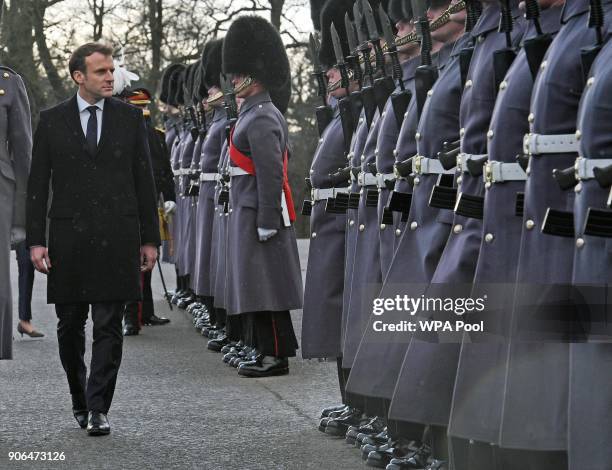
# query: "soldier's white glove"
{"points": [[169, 207], [265, 233], [18, 234]]}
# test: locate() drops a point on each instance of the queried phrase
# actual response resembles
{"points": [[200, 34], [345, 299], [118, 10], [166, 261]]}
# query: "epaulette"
{"points": [[6, 71], [160, 129]]}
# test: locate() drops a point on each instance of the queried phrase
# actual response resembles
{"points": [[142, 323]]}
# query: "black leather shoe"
{"points": [[415, 460], [97, 424], [438, 465], [217, 343], [155, 320], [265, 366], [330, 409], [375, 440], [339, 426], [81, 417], [130, 330], [228, 347], [380, 458], [366, 449], [373, 427]]}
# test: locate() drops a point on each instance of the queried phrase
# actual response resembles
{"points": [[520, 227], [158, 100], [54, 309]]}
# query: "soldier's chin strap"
{"points": [[244, 84]]}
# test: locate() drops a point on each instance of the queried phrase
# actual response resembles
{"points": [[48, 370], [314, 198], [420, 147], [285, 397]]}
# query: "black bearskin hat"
{"points": [[164, 88], [333, 12], [175, 95], [281, 96], [315, 13], [200, 91], [212, 58], [399, 10], [254, 47], [188, 84]]}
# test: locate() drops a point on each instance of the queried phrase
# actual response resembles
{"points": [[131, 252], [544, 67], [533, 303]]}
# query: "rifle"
{"points": [[473, 9], [383, 86], [536, 47], [400, 99], [368, 97], [596, 21], [324, 113], [503, 58], [426, 74]]}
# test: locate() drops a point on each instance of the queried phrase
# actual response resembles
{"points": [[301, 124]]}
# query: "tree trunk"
{"points": [[276, 10]]}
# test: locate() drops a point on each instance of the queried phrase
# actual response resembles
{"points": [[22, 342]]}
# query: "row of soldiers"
{"points": [[470, 146], [231, 235]]}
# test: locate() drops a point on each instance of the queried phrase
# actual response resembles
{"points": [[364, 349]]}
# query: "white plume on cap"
{"points": [[122, 76]]}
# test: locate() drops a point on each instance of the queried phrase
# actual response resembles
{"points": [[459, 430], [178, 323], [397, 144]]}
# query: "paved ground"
{"points": [[176, 405]]}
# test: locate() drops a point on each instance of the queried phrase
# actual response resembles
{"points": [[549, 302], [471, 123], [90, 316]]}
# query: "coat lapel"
{"points": [[71, 114]]}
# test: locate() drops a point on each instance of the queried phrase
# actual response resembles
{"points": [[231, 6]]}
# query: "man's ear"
{"points": [[78, 77]]}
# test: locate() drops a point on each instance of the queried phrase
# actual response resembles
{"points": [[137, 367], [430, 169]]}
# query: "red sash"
{"points": [[242, 161]]}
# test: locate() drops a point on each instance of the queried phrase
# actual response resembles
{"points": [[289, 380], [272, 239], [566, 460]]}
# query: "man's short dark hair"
{"points": [[77, 59]]}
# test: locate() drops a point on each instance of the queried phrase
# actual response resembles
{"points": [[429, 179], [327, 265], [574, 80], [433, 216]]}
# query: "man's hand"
{"points": [[148, 256], [169, 207], [40, 259], [265, 233]]}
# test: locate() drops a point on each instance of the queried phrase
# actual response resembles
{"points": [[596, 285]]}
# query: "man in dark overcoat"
{"points": [[93, 150]]}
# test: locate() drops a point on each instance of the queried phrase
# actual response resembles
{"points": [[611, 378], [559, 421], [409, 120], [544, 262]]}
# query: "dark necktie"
{"points": [[92, 130]]}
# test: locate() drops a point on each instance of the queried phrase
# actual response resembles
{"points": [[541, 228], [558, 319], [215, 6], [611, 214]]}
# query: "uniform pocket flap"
{"points": [[7, 170]]}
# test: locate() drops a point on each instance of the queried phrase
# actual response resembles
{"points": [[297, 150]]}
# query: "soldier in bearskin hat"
{"points": [[264, 273]]}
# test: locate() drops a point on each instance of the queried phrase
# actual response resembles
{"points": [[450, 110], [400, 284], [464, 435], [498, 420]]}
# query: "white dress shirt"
{"points": [[84, 114]]}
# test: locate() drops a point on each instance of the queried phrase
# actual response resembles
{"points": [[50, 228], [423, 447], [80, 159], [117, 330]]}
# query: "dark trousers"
{"points": [[147, 296], [26, 281], [271, 333], [233, 327], [95, 393]]}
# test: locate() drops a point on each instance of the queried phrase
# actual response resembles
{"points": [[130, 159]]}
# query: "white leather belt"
{"points": [[237, 171], [318, 194], [209, 176], [366, 179], [429, 166], [583, 167], [498, 172], [463, 158], [539, 144], [381, 178]]}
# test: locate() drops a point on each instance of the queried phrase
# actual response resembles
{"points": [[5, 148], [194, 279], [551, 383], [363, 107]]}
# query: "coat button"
{"points": [[383, 114], [398, 232], [414, 225], [321, 140], [490, 134], [481, 38], [468, 83], [312, 172], [363, 158], [529, 224], [360, 120], [351, 223], [416, 181], [314, 235], [489, 237], [430, 92], [543, 64], [458, 228], [461, 132], [531, 117], [590, 81], [395, 152], [578, 188], [406, 114], [2, 92], [361, 228], [6, 75], [375, 151], [417, 136], [578, 134], [459, 179], [579, 242], [503, 85], [383, 226]]}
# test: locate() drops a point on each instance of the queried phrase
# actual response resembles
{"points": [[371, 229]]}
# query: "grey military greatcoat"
{"points": [[424, 389], [322, 313], [211, 151], [218, 254], [15, 156], [188, 208], [590, 392], [479, 386], [262, 276], [536, 391]]}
